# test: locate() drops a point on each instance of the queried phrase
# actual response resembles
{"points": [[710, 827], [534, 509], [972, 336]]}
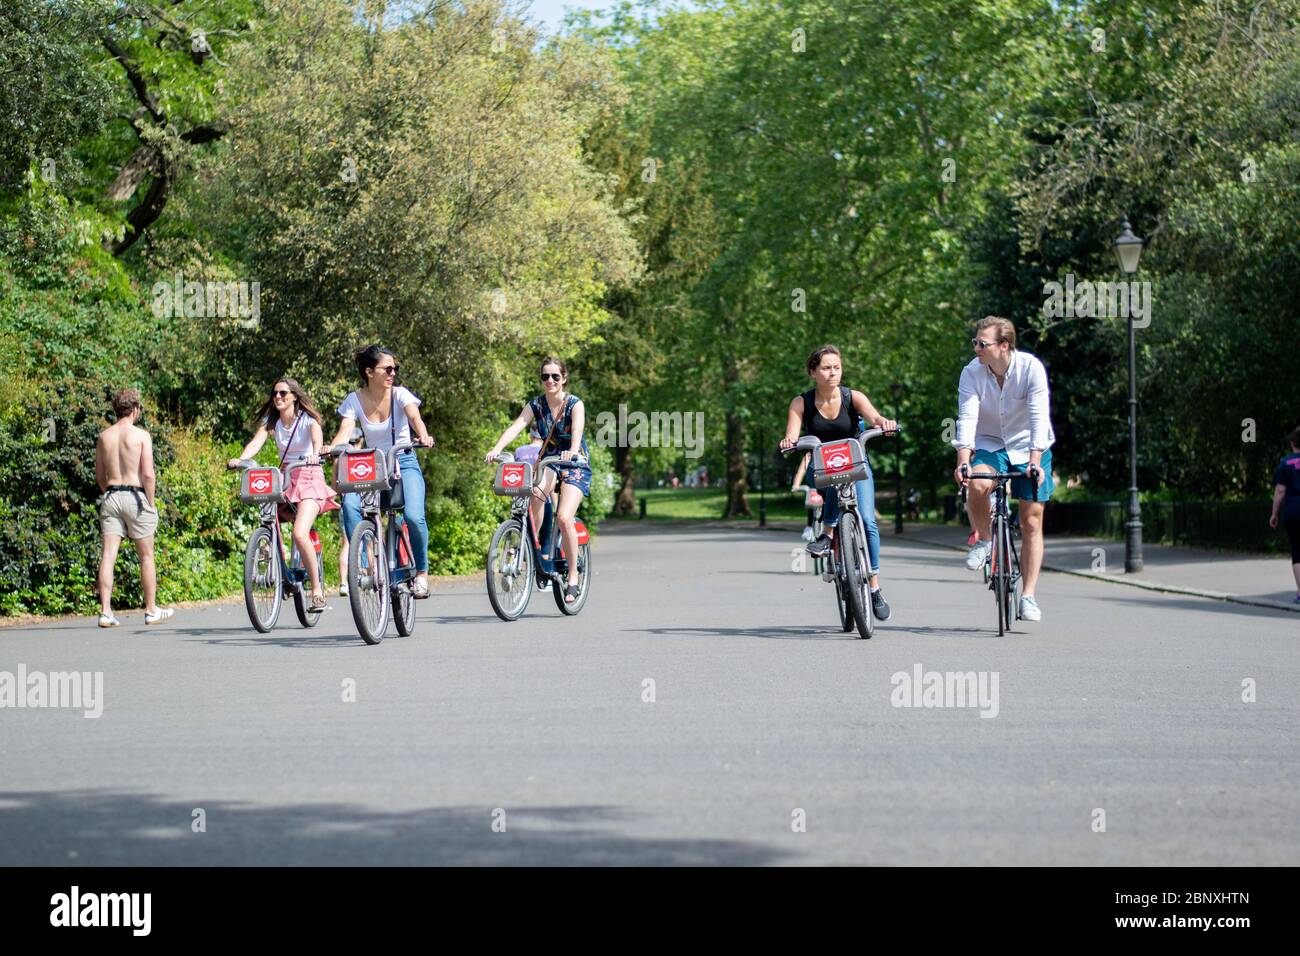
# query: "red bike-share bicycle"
{"points": [[520, 552], [270, 577], [836, 466], [381, 561]]}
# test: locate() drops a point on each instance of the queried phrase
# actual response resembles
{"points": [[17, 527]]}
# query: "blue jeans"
{"points": [[413, 490], [866, 492]]}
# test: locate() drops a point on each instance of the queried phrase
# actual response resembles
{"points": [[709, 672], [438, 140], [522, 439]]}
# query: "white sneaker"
{"points": [[158, 616], [807, 533], [109, 620], [978, 554], [1029, 610], [343, 589]]}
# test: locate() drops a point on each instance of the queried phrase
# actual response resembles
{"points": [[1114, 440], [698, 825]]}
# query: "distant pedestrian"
{"points": [[1286, 503], [125, 474]]}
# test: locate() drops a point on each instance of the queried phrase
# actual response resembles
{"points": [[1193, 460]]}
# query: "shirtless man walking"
{"points": [[124, 470]]}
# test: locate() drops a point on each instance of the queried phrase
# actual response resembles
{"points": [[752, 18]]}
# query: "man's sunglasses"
{"points": [[980, 344], [552, 376]]}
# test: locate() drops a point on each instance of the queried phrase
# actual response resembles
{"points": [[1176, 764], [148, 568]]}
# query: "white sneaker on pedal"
{"points": [[978, 554], [1029, 610], [808, 533]]}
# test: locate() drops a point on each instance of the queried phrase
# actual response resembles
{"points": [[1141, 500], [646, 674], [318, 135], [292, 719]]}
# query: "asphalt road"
{"points": [[772, 738]]}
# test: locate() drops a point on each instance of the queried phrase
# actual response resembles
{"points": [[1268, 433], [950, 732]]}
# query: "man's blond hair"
{"points": [[1006, 332]]}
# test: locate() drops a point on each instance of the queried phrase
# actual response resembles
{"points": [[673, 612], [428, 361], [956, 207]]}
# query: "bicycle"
{"points": [[516, 555], [1002, 566], [269, 580], [379, 578], [838, 465]]}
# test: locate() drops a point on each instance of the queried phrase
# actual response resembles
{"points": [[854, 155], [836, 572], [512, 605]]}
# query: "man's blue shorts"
{"points": [[1020, 487]]}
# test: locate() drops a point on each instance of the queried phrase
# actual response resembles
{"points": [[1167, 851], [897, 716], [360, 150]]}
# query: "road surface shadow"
{"points": [[116, 828]]}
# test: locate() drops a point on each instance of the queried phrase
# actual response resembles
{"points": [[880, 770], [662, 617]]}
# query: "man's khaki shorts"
{"points": [[128, 514]]}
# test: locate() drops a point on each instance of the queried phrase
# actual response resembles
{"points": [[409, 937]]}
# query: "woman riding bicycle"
{"points": [[388, 413], [290, 415], [833, 412], [560, 420]]}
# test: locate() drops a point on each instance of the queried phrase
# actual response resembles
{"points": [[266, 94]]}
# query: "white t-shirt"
{"points": [[302, 443], [381, 434]]}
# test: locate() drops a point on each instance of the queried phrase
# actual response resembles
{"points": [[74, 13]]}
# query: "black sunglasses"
{"points": [[552, 376], [386, 369], [281, 393]]}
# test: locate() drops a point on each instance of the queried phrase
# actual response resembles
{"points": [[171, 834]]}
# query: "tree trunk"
{"points": [[737, 471], [625, 503]]}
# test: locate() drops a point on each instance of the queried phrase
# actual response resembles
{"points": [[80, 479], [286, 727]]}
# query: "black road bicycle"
{"points": [[1002, 566]]}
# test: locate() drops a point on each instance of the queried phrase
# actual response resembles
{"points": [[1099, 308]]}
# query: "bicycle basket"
{"points": [[259, 485], [514, 478], [365, 470], [839, 462]]}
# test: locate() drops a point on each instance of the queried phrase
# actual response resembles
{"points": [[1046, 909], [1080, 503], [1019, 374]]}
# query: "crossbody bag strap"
{"points": [[289, 443]]}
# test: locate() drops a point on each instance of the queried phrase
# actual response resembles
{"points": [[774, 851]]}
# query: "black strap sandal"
{"points": [[571, 593]]}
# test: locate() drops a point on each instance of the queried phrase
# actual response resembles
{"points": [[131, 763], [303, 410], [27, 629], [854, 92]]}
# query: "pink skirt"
{"points": [[308, 482]]}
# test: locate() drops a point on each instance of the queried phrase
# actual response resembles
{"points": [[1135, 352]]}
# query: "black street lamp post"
{"points": [[1128, 248]]}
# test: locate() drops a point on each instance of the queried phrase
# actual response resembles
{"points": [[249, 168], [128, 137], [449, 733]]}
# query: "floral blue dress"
{"points": [[557, 434]]}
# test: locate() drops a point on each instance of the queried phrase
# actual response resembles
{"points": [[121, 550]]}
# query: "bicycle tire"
{"points": [[584, 584], [368, 587], [1001, 578], [841, 605], [306, 616], [403, 609], [510, 594], [261, 550], [855, 581]]}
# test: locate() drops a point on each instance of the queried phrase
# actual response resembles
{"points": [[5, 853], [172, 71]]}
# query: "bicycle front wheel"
{"points": [[509, 570], [368, 586], [262, 593], [855, 574]]}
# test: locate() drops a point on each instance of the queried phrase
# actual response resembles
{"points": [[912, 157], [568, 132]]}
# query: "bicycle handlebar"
{"points": [[1005, 476], [811, 442], [289, 465]]}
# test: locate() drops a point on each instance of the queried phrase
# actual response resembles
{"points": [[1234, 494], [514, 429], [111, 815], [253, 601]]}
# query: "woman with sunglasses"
{"points": [[290, 415], [560, 419], [388, 413]]}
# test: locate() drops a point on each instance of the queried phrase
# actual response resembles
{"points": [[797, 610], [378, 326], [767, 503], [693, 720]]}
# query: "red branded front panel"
{"points": [[583, 537], [360, 468], [261, 481], [837, 457]]}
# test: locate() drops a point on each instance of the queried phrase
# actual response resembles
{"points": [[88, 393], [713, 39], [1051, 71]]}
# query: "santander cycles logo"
{"points": [[837, 457], [360, 468], [259, 482], [512, 476]]}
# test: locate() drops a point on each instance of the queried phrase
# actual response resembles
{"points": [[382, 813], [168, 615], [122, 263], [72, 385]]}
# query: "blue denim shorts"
{"points": [[1021, 488]]}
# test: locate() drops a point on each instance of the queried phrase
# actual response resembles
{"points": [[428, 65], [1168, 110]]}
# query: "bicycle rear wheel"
{"points": [[262, 592], [1001, 575], [403, 609], [853, 560], [368, 587], [841, 604], [509, 570], [584, 583], [301, 601]]}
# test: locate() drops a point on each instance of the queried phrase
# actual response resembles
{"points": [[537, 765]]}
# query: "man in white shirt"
{"points": [[1003, 424]]}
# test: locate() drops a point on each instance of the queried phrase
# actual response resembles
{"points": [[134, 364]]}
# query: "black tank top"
{"points": [[845, 424]]}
